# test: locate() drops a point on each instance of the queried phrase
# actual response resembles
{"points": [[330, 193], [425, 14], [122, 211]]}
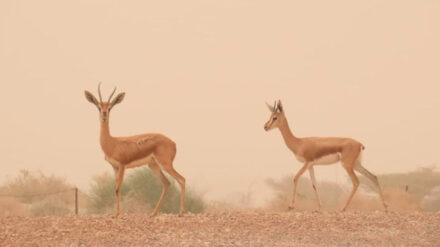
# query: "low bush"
{"points": [[140, 193], [34, 193]]}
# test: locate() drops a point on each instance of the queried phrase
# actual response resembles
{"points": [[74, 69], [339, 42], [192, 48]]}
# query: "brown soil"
{"points": [[226, 229]]}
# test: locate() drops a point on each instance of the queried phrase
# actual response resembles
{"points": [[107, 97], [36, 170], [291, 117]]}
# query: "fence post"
{"points": [[76, 201]]}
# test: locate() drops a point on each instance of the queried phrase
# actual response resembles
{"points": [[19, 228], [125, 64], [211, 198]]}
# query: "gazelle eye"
{"points": [[275, 118]]}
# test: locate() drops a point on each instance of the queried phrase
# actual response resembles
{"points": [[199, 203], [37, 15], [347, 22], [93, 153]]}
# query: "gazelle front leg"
{"points": [[295, 182], [116, 170], [315, 186], [119, 179]]}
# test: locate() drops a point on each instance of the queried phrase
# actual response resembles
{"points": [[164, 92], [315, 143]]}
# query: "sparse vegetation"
{"points": [[419, 182], [140, 193], [413, 191], [416, 190], [102, 194], [330, 194], [33, 193]]}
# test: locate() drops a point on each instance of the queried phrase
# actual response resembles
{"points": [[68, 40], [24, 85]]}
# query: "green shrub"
{"points": [[102, 194], [140, 193]]}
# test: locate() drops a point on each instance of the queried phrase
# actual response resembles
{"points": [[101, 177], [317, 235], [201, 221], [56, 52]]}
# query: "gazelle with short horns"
{"points": [[313, 151], [155, 150]]}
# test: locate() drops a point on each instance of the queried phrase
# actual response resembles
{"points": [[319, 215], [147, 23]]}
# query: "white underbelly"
{"points": [[135, 163], [328, 159], [140, 162], [112, 162], [299, 158]]}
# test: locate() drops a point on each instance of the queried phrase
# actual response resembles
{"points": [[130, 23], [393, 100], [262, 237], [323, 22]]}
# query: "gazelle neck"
{"points": [[106, 139], [289, 138]]}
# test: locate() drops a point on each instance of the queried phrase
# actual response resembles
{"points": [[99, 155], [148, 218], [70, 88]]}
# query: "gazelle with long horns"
{"points": [[313, 151], [155, 150]]}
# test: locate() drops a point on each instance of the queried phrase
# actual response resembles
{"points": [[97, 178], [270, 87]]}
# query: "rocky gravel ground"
{"points": [[226, 229]]}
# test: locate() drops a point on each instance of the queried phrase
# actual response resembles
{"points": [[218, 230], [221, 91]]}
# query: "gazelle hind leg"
{"points": [[315, 186], [168, 167], [359, 168], [181, 180], [165, 184]]}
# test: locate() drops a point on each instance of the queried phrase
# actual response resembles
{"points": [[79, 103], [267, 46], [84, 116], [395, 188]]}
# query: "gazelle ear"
{"points": [[117, 100], [271, 109], [280, 106], [91, 98]]}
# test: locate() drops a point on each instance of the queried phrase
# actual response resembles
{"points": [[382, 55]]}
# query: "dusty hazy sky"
{"points": [[200, 71]]}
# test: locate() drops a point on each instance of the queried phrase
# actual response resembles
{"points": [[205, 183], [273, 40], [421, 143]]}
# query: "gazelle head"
{"points": [[104, 107], [276, 116]]}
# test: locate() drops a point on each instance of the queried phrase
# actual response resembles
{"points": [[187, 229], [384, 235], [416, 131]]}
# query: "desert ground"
{"points": [[240, 228]]}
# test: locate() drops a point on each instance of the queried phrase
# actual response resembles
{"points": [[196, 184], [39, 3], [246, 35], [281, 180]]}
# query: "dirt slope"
{"points": [[226, 229]]}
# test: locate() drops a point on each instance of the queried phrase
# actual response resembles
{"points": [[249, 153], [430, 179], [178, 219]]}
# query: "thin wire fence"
{"points": [[75, 190]]}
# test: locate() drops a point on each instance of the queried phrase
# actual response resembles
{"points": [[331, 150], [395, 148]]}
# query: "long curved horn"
{"points": [[99, 92], [275, 106], [111, 95]]}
